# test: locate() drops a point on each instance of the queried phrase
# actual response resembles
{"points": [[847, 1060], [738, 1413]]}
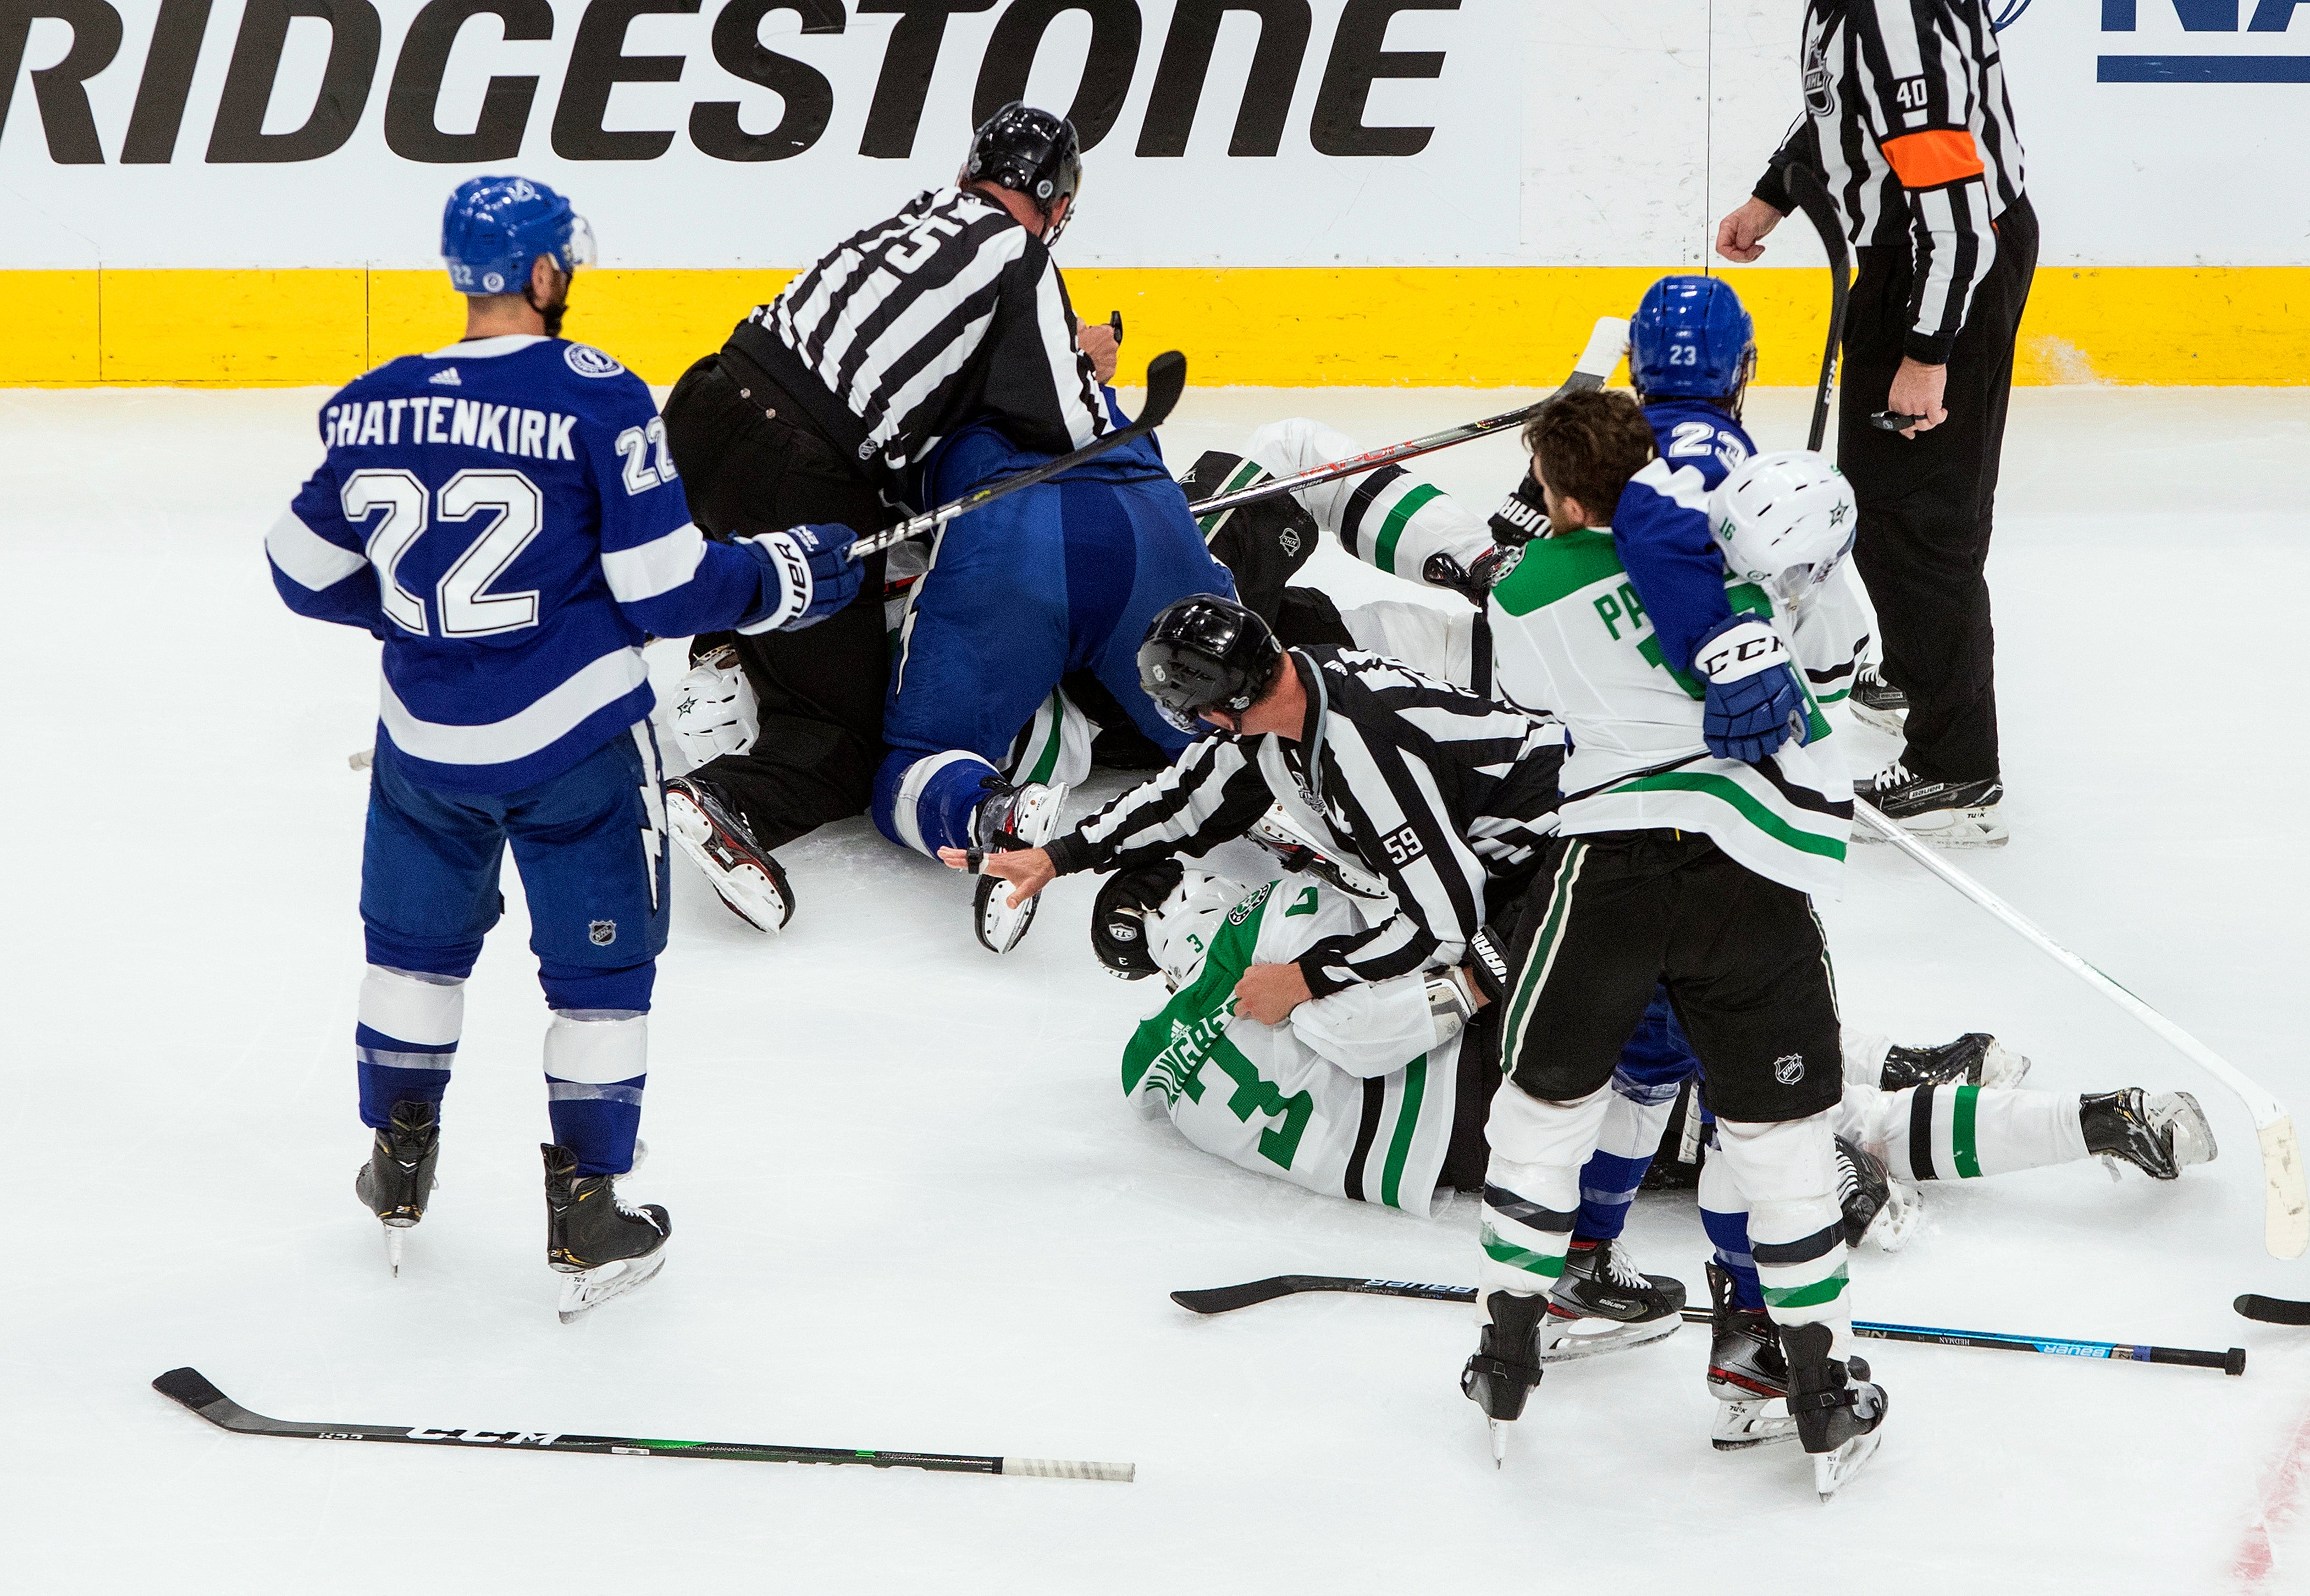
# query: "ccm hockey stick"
{"points": [[1166, 379], [192, 1388], [2286, 1220], [1223, 1299], [1812, 199], [1606, 345]]}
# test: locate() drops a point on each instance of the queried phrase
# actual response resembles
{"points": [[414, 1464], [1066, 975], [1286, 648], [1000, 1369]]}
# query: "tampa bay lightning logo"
{"points": [[586, 361], [2005, 14]]}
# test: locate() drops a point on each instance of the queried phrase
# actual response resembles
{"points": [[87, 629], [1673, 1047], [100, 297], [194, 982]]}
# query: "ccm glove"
{"points": [[1754, 701], [808, 575]]}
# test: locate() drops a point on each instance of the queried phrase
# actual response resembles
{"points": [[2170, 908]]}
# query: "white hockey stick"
{"points": [[2286, 1229], [1607, 343]]}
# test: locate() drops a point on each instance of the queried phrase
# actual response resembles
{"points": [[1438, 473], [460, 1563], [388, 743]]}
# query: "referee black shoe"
{"points": [[1877, 702], [1948, 814]]}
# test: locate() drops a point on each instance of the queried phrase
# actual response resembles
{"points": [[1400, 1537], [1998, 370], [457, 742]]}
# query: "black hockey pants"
{"points": [[1926, 502]]}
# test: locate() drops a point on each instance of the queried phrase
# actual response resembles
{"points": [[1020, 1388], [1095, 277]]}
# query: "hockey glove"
{"points": [[1523, 516], [1755, 703], [1474, 583], [809, 576]]}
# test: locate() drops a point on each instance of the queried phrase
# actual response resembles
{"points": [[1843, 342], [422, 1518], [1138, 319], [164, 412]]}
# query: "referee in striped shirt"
{"points": [[1907, 120], [822, 406]]}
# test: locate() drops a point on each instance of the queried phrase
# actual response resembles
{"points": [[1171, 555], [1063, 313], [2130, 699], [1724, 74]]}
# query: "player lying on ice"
{"points": [[1055, 582], [1378, 1093], [501, 515]]}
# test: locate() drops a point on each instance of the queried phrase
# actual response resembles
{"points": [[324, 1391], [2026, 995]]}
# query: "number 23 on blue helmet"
{"points": [[1692, 339], [1784, 521]]}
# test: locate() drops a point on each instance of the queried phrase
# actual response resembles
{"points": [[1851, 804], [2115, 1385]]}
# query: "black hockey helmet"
{"points": [[1119, 915], [1034, 152], [1206, 653]]}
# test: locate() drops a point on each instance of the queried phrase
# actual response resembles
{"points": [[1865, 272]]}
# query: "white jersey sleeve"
{"points": [[1389, 517]]}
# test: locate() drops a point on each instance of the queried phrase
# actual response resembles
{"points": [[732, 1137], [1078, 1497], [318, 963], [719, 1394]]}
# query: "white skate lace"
{"points": [[1894, 774], [1622, 1272]]}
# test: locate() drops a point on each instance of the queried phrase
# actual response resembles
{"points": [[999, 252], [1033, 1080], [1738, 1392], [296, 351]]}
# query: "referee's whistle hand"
{"points": [[1028, 870], [1917, 390], [1739, 237], [1096, 339]]}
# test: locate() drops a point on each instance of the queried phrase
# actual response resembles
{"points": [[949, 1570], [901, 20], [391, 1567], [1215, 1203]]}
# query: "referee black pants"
{"points": [[751, 461], [1926, 502], [1612, 914]]}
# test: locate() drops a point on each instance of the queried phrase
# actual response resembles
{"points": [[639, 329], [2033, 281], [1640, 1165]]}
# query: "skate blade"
{"points": [[1832, 1470], [583, 1292], [2002, 1066], [1566, 1346], [1893, 723], [1950, 828], [393, 1247], [1499, 1434], [1000, 927], [1739, 1425]]}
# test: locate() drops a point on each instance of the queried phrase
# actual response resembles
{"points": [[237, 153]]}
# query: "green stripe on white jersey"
{"points": [[1570, 634], [1272, 1098]]}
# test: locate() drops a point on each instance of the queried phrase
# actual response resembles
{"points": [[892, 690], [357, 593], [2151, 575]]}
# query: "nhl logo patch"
{"points": [[603, 933], [586, 361], [1789, 1068]]}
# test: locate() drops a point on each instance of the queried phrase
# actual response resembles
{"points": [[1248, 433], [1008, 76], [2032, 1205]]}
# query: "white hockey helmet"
{"points": [[1784, 520], [1180, 931]]}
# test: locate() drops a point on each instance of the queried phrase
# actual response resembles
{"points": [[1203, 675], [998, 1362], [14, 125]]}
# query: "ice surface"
{"points": [[913, 1211]]}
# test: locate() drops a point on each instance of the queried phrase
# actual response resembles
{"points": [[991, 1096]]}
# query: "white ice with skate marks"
{"points": [[912, 1210]]}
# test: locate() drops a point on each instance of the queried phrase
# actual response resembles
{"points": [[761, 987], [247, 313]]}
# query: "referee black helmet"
{"points": [[1206, 653], [1030, 151]]}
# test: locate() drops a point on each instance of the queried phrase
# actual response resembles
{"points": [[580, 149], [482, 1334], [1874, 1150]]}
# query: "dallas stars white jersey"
{"points": [[1351, 1097], [1569, 633]]}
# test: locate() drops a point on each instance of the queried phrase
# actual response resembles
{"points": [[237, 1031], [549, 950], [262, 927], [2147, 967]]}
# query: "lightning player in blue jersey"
{"points": [[502, 515]]}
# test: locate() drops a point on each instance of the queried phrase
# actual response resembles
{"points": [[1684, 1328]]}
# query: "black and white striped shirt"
{"points": [[1907, 118], [1435, 790], [947, 313]]}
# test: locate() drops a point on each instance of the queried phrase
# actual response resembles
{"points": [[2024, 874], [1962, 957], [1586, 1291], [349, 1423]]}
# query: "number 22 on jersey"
{"points": [[462, 602]]}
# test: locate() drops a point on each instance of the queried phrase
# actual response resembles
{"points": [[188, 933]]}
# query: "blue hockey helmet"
{"points": [[1690, 339], [494, 228]]}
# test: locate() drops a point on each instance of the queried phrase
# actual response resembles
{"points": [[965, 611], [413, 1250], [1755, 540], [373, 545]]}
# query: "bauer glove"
{"points": [[808, 575], [1755, 703]]}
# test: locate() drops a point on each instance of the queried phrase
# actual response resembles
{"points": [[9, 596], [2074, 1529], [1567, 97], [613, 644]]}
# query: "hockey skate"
{"points": [[1277, 833], [1974, 1059], [1877, 702], [751, 883], [1506, 1365], [605, 1246], [1948, 814], [1838, 1413], [2159, 1135], [1622, 1306], [1021, 817], [397, 1181], [1748, 1374], [1877, 1207]]}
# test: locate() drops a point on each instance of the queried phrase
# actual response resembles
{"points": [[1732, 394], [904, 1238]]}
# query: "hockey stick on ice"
{"points": [[1166, 379], [1224, 1299], [1813, 200], [2272, 1310], [1606, 345], [192, 1388], [2286, 1225]]}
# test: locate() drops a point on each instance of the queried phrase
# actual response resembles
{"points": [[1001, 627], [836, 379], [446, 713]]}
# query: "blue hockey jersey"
{"points": [[1660, 529], [504, 515]]}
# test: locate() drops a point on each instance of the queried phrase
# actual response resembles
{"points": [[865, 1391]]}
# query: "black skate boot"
{"points": [[1837, 1411], [1021, 817], [1974, 1059], [709, 828], [604, 1246], [1948, 814], [398, 1178], [1505, 1366], [1747, 1371], [2159, 1136], [1877, 702], [1599, 1283]]}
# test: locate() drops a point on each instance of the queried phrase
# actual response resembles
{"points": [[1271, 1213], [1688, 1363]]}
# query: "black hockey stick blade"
{"points": [[1226, 1299], [1805, 188], [1607, 343], [1166, 379], [195, 1390], [2272, 1310]]}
